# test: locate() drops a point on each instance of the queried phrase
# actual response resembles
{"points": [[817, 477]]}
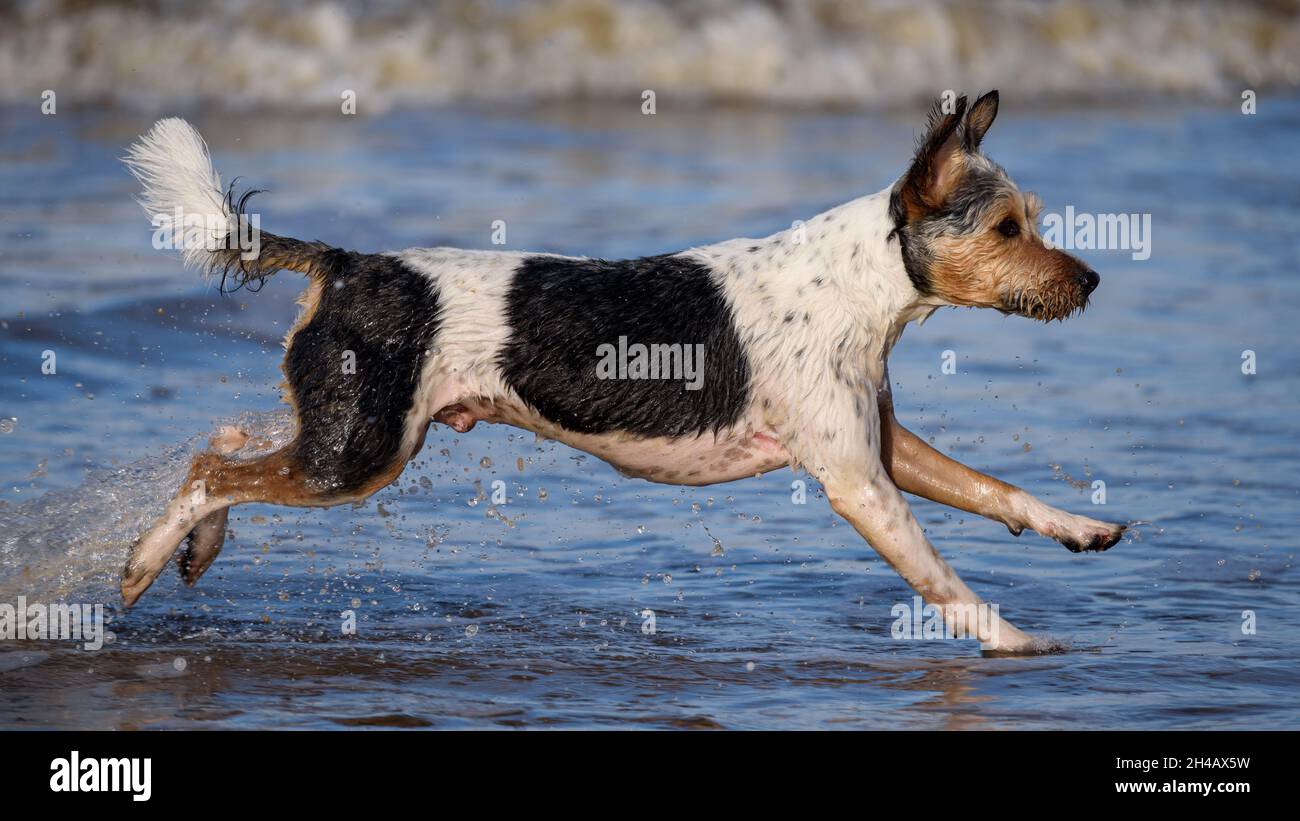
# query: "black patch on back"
{"points": [[562, 310], [351, 424]]}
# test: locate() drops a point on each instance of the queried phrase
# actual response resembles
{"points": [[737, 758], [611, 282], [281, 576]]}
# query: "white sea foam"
{"points": [[293, 55]]}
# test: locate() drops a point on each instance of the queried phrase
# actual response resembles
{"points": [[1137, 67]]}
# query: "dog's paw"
{"points": [[1080, 534], [138, 574], [201, 546], [1035, 646], [229, 439], [1077, 533], [1005, 639]]}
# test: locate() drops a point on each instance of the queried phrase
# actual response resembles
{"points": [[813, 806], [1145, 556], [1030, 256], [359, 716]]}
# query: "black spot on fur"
{"points": [[561, 311], [351, 424]]}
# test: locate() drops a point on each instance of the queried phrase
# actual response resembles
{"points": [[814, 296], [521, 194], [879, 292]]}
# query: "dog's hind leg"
{"points": [[354, 362], [206, 539], [215, 483], [353, 369]]}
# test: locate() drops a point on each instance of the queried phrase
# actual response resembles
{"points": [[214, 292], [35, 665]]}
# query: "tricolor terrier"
{"points": [[794, 330]]}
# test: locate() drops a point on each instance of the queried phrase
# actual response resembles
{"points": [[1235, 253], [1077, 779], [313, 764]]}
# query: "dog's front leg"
{"points": [[920, 469], [848, 464], [872, 504]]}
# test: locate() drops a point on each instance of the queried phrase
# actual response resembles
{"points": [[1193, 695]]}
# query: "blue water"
{"points": [[528, 614]]}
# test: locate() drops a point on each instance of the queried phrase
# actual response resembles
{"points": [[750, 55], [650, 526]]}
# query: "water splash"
{"points": [[75, 541]]}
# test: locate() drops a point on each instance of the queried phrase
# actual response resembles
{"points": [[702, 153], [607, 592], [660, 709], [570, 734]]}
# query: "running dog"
{"points": [[791, 334]]}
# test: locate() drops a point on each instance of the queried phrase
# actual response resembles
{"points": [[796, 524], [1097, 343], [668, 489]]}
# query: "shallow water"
{"points": [[767, 613]]}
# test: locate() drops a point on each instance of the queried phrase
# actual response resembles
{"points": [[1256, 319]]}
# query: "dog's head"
{"points": [[968, 234]]}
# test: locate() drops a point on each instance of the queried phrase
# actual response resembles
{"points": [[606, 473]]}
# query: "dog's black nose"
{"points": [[1088, 281]]}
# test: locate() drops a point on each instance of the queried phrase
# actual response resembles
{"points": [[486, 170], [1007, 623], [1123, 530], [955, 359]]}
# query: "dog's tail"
{"points": [[190, 210]]}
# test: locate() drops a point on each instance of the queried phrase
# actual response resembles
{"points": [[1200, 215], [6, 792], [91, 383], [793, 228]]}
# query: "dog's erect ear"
{"points": [[981, 116], [939, 160]]}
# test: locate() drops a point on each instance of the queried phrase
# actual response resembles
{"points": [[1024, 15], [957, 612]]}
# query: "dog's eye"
{"points": [[1009, 228]]}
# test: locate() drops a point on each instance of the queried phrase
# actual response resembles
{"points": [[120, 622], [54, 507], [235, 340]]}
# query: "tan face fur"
{"points": [[970, 236]]}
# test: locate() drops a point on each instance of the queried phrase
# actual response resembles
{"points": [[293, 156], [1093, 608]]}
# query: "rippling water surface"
{"points": [[767, 613]]}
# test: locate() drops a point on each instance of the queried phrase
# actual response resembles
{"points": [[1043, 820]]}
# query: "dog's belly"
{"points": [[693, 460], [702, 460]]}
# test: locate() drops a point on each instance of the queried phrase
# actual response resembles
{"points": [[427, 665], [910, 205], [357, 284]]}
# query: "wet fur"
{"points": [[796, 328], [560, 311]]}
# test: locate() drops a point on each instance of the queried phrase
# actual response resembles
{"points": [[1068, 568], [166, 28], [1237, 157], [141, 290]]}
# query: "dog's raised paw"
{"points": [[1080, 534], [1094, 539]]}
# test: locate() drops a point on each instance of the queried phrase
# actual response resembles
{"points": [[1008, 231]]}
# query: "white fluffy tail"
{"points": [[182, 192], [183, 196]]}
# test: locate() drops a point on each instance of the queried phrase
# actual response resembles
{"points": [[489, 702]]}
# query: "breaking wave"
{"points": [[300, 55]]}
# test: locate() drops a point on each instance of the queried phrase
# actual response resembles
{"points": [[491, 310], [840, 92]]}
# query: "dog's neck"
{"points": [[867, 262], [841, 270]]}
